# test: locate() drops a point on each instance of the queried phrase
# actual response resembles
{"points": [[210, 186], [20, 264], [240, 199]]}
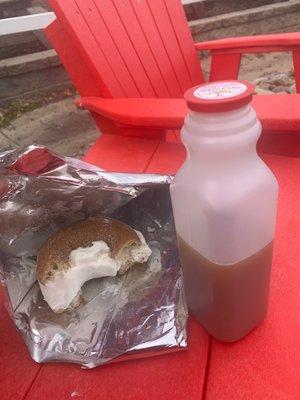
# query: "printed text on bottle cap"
{"points": [[220, 90]]}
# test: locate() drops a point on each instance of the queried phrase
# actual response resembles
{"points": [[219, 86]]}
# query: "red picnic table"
{"points": [[264, 365]]}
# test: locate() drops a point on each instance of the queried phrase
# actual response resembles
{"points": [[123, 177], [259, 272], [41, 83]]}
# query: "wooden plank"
{"points": [[224, 66], [167, 34], [79, 71], [125, 47], [25, 23], [139, 47], [187, 2], [296, 62], [18, 371], [172, 136], [77, 28], [278, 113], [75, 65], [102, 33], [242, 44], [265, 365], [167, 158], [280, 143], [136, 35], [185, 41], [149, 27], [121, 154]]}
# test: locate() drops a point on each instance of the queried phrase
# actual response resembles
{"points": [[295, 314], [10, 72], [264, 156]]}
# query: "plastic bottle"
{"points": [[224, 199]]}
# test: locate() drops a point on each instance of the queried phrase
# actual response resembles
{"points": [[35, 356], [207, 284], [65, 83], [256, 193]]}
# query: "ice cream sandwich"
{"points": [[92, 248]]}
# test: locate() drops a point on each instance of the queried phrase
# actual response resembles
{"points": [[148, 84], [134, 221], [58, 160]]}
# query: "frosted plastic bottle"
{"points": [[224, 199]]}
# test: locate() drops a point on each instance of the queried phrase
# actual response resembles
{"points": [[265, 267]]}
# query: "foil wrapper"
{"points": [[139, 314]]}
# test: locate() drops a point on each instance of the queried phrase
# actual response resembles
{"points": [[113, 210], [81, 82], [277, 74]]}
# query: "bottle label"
{"points": [[220, 90]]}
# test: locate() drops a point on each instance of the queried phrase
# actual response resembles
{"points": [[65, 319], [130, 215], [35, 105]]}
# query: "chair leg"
{"points": [[296, 61], [224, 66]]}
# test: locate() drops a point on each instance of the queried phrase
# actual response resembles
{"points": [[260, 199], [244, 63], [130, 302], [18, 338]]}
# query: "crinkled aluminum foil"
{"points": [[138, 314]]}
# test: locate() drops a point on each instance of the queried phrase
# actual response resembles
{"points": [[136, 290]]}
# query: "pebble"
{"points": [[282, 82]]}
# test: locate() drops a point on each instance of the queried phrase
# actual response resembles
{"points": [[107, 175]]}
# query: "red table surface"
{"points": [[262, 366]]}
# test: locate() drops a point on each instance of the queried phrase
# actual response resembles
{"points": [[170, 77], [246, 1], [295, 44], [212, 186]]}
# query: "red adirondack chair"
{"points": [[131, 60]]}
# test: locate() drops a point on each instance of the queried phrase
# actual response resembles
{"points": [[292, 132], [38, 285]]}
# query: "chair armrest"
{"points": [[226, 53], [253, 44], [146, 112]]}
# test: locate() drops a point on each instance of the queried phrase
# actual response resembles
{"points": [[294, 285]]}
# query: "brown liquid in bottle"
{"points": [[228, 300]]}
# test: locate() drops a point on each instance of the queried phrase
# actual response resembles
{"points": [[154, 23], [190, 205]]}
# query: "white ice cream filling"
{"points": [[85, 264]]}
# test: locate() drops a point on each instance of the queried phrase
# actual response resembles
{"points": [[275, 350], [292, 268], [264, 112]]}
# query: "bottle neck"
{"points": [[228, 134]]}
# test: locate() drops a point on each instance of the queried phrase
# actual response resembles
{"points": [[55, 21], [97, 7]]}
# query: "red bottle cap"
{"points": [[219, 96]]}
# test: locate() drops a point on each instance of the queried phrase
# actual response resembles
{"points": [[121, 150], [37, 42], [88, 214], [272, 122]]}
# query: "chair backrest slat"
{"points": [[167, 34], [94, 16], [141, 46], [185, 40], [151, 33], [133, 48], [75, 65], [75, 25], [125, 46]]}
